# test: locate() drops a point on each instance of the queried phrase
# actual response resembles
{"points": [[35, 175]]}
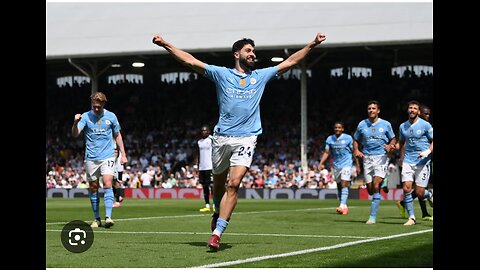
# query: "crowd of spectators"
{"points": [[161, 123]]}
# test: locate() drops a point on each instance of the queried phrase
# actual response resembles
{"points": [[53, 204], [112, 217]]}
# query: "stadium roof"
{"points": [[83, 30]]}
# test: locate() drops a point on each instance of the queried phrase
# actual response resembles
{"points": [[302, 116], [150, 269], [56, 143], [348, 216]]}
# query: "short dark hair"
{"points": [[374, 102], [413, 102], [238, 45], [424, 107], [339, 123]]}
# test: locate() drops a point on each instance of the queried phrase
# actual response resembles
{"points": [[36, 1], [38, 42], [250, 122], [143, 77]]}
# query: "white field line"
{"points": [[204, 215], [300, 252], [236, 234]]}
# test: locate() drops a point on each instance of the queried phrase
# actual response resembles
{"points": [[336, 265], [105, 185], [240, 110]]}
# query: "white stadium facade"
{"points": [[379, 33]]}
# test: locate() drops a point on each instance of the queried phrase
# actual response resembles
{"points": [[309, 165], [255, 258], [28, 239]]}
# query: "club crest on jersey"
{"points": [[380, 130], [243, 82], [107, 122], [419, 132], [253, 81], [99, 122]]}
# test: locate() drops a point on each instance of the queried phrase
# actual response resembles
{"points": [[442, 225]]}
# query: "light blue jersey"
{"points": [[374, 135], [341, 149], [417, 138], [98, 132], [238, 96]]}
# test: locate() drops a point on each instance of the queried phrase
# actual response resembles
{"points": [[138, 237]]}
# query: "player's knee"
{"points": [[233, 185]]}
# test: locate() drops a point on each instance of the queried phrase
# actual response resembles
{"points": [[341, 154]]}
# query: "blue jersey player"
{"points": [[377, 138], [425, 113], [99, 126], [417, 136], [239, 91], [340, 145]]}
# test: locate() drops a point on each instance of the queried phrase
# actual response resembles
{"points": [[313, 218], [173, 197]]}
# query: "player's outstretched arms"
{"points": [[298, 56], [182, 56]]}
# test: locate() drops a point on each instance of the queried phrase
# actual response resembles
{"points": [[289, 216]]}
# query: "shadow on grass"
{"points": [[223, 246]]}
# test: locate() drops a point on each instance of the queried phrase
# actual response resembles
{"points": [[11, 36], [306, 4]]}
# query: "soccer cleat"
{"points": [[342, 211], [205, 210], [120, 199], [410, 222], [214, 242], [108, 222], [96, 223], [428, 218], [213, 224], [116, 204], [403, 212], [371, 221]]}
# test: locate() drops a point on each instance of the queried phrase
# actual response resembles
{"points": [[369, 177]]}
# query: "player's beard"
{"points": [[412, 115], [247, 64]]}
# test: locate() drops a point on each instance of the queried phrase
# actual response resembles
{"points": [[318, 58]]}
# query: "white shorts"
{"points": [[96, 168], [374, 165], [419, 173], [231, 151], [344, 174]]}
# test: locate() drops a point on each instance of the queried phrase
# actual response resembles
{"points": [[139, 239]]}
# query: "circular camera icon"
{"points": [[77, 236]]}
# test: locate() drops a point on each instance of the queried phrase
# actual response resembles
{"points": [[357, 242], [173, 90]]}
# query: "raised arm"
{"points": [[181, 56], [75, 130], [298, 56]]}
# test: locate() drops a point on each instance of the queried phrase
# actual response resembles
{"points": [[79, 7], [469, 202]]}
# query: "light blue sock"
{"points": [[344, 196], [408, 203], [376, 198], [216, 202], [95, 202], [108, 198], [427, 193], [384, 182], [221, 226]]}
